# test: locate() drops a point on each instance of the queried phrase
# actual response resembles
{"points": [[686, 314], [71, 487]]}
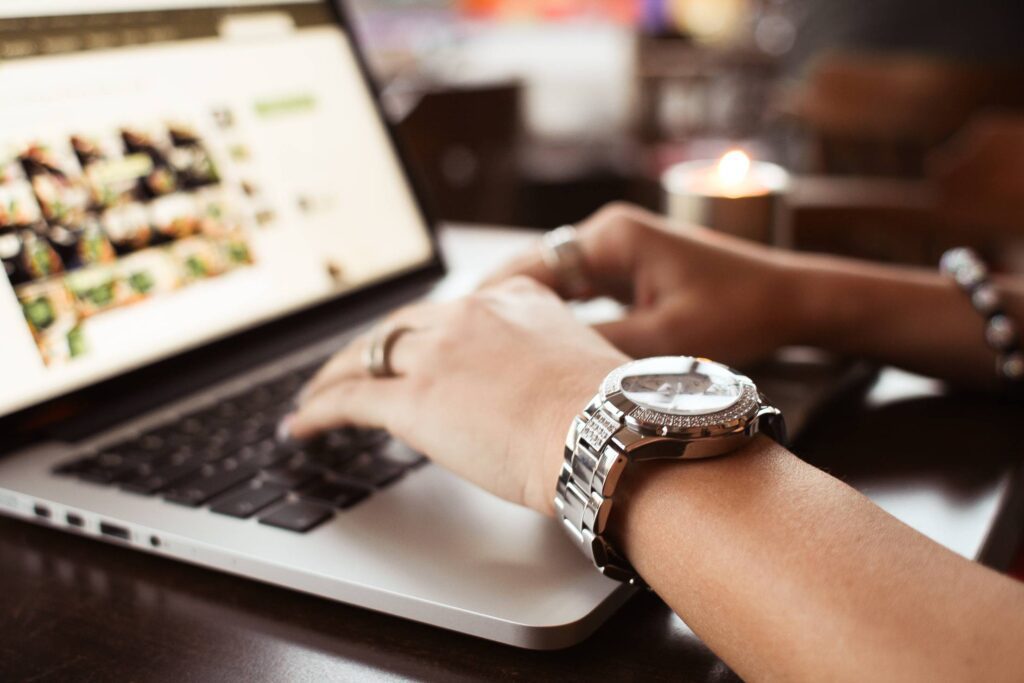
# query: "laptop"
{"points": [[199, 202]]}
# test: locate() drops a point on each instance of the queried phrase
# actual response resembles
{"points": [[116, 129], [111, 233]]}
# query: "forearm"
{"points": [[909, 317], [788, 574]]}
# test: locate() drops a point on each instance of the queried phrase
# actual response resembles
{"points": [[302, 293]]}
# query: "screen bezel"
{"points": [[39, 420]]}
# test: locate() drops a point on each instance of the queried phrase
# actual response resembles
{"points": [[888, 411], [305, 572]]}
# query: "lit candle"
{"points": [[734, 194]]}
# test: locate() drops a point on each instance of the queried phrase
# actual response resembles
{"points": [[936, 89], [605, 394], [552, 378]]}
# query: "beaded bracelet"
{"points": [[970, 274]]}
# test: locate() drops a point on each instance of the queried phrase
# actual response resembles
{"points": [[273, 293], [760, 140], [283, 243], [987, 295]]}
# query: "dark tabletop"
{"points": [[76, 609]]}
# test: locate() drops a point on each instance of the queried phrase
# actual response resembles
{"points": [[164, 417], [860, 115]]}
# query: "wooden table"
{"points": [[75, 609]]}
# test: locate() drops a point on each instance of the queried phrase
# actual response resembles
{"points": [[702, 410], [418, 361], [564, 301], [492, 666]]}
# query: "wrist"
{"points": [[822, 305], [696, 486], [572, 393]]}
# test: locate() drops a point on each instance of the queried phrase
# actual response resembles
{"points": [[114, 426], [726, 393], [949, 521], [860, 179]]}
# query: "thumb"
{"points": [[640, 334], [608, 243]]}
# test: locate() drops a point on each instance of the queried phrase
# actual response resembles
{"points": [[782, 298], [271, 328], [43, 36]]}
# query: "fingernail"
{"points": [[284, 428]]}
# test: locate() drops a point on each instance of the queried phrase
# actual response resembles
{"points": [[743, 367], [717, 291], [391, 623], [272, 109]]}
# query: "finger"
{"points": [[348, 362], [602, 277], [640, 335], [344, 364], [356, 403], [607, 242], [531, 264]]}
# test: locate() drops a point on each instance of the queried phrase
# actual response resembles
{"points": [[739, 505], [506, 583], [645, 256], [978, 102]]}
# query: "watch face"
{"points": [[681, 385]]}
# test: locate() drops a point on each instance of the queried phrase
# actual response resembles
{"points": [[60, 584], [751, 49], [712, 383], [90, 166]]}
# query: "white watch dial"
{"points": [[681, 385]]}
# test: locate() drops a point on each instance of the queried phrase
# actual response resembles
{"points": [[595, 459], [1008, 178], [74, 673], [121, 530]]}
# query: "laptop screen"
{"points": [[170, 176]]}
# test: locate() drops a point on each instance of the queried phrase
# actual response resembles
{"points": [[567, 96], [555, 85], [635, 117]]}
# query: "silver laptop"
{"points": [[199, 202]]}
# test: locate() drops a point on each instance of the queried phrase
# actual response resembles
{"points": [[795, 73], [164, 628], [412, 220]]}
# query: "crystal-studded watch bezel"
{"points": [[735, 418]]}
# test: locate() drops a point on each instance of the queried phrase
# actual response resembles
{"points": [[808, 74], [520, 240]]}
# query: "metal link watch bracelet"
{"points": [[665, 408]]}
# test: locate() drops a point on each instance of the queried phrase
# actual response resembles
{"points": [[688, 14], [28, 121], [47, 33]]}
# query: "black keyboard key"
{"points": [[292, 476], [151, 479], [211, 481], [247, 501], [110, 459], [251, 429], [265, 453], [99, 475], [298, 515], [287, 387], [319, 454], [192, 458], [370, 439], [337, 493], [213, 452], [137, 456], [340, 440], [372, 471], [151, 441], [218, 435], [255, 399], [160, 441], [193, 425], [228, 411], [96, 474], [106, 468], [135, 453]]}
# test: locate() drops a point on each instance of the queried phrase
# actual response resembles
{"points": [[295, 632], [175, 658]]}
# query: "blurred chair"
{"points": [[979, 181], [464, 144], [973, 194], [882, 114], [908, 155], [979, 176]]}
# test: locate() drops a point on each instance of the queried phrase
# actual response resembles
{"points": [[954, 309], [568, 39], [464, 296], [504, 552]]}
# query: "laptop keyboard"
{"points": [[227, 457]]}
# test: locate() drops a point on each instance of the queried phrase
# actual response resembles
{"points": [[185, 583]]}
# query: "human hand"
{"points": [[694, 292], [486, 386]]}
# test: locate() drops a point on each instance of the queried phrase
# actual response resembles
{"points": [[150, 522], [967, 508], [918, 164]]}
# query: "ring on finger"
{"points": [[561, 252], [377, 354]]}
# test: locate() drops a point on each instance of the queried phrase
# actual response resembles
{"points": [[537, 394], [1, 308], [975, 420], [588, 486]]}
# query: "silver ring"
{"points": [[377, 355], [562, 253]]}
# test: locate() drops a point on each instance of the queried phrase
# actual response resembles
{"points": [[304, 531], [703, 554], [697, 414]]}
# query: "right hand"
{"points": [[486, 386], [691, 291]]}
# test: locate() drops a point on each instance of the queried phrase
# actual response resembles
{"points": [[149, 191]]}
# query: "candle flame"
{"points": [[733, 167]]}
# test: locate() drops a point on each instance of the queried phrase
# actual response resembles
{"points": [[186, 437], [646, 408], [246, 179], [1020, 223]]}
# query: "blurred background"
{"points": [[902, 121]]}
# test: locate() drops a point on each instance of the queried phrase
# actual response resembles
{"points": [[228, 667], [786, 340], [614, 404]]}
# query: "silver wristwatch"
{"points": [[669, 407]]}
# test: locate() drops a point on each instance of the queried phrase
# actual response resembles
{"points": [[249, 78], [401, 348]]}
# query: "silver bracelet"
{"points": [[971, 275]]}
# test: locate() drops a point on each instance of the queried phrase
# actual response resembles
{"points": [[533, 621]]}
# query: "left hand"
{"points": [[486, 386], [691, 291]]}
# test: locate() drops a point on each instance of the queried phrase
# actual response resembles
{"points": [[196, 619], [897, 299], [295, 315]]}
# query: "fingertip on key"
{"points": [[284, 428]]}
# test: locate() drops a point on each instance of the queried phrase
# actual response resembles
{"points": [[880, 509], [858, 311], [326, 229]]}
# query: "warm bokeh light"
{"points": [[621, 11], [709, 20], [733, 168]]}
